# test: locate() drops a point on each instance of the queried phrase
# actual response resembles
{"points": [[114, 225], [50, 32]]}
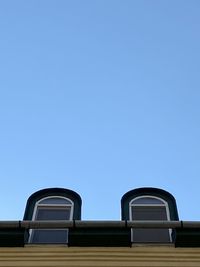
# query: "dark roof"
{"points": [[102, 233]]}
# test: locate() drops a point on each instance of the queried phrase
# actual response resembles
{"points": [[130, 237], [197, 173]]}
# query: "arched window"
{"points": [[149, 204], [150, 208], [52, 204]]}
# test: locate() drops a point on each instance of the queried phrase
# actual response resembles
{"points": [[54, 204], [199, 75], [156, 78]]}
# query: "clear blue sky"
{"points": [[101, 97]]}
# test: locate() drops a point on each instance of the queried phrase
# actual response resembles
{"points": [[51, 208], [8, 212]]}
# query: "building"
{"points": [[53, 234]]}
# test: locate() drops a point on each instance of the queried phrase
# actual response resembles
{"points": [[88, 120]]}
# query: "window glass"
{"points": [[50, 236], [53, 213], [147, 200], [149, 213], [150, 236], [55, 200]]}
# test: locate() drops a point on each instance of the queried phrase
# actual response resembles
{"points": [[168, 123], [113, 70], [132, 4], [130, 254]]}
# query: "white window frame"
{"points": [[165, 204], [38, 205]]}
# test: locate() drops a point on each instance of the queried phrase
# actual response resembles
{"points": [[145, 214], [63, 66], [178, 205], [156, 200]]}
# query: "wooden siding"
{"points": [[57, 256]]}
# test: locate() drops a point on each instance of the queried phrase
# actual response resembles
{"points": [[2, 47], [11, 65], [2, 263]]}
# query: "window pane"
{"points": [[147, 200], [150, 235], [49, 236], [55, 200], [149, 213], [55, 213]]}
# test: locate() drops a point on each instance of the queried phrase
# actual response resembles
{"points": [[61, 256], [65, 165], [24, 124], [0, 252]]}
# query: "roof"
{"points": [[99, 233], [81, 233]]}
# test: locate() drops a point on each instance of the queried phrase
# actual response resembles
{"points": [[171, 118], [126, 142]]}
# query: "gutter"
{"points": [[99, 224]]}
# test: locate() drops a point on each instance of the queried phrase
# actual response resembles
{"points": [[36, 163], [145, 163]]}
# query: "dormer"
{"points": [[149, 204], [52, 204]]}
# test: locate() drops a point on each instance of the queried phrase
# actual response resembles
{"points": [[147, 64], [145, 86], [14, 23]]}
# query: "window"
{"points": [[52, 204], [149, 204], [51, 208], [149, 208]]}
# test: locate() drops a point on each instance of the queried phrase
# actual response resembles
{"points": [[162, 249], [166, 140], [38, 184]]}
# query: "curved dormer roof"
{"points": [[53, 192], [148, 191]]}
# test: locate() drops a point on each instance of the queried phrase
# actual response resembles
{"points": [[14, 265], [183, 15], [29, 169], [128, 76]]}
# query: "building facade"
{"points": [[53, 234]]}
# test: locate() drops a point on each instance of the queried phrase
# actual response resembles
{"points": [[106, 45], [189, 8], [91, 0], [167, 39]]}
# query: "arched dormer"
{"points": [[149, 204], [52, 204]]}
